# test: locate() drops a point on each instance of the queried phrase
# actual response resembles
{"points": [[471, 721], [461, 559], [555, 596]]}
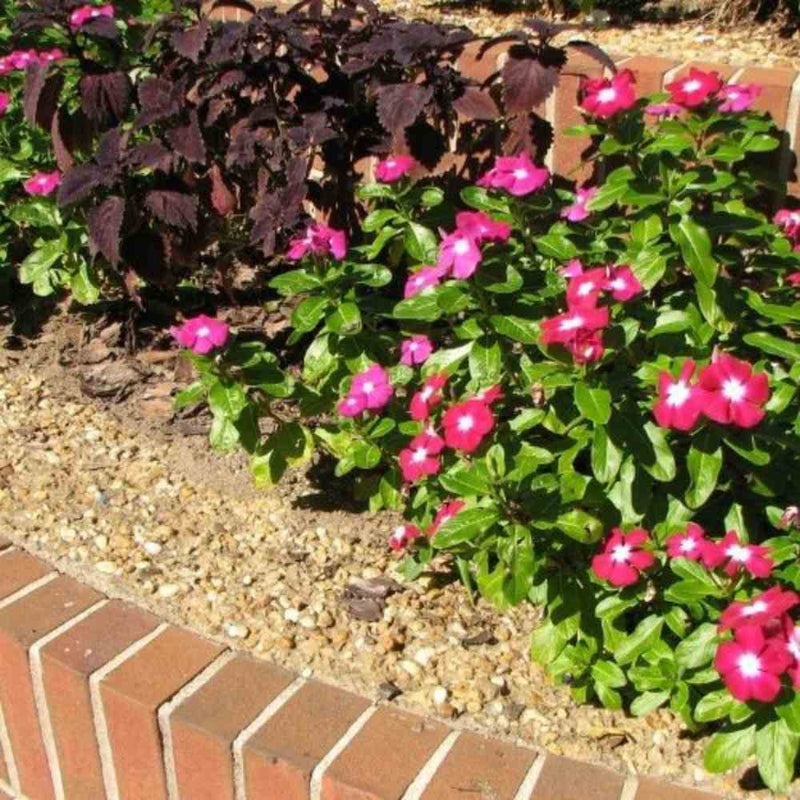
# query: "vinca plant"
{"points": [[580, 397]]}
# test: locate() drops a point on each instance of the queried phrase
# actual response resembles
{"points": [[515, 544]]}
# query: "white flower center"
{"points": [[607, 95], [749, 665], [759, 607], [794, 644], [466, 423], [369, 387], [734, 390], [622, 552], [732, 95], [426, 393], [688, 545], [571, 324], [520, 174], [390, 162], [203, 332], [461, 247], [738, 553], [692, 86], [618, 284], [420, 454], [678, 394], [413, 347], [586, 288]]}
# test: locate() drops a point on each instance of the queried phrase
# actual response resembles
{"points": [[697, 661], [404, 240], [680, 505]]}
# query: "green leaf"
{"points": [[608, 697], [35, 269], [375, 220], [465, 526], [527, 461], [704, 463], [556, 245], [366, 455], [486, 361], [608, 194], [446, 359], [477, 197], [649, 268], [581, 526], [606, 456], [346, 320], [190, 396], [294, 282], [729, 750], [714, 706], [609, 673], [421, 243], [461, 480], [517, 582], [290, 445], [697, 649], [432, 197], [645, 635], [516, 328], [309, 313], [594, 404], [227, 400], [648, 702], [84, 283], [645, 230], [789, 711], [761, 144], [695, 245], [420, 307], [776, 752], [773, 345]]}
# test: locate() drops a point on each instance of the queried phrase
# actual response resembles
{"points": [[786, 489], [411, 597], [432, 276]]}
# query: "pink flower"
{"points": [[752, 558], [758, 610], [465, 424], [622, 558], [679, 403], [460, 254], [791, 641], [695, 88], [446, 512], [490, 395], [21, 58], [428, 397], [423, 280], [738, 97], [789, 220], [481, 227], [604, 98], [518, 175], [793, 279], [394, 167], [587, 347], [319, 240], [417, 460], [664, 109], [688, 544], [373, 385], [86, 13], [5, 65], [623, 284], [43, 183], [201, 334], [571, 269], [566, 327], [734, 394], [352, 405], [53, 55], [5, 100], [416, 350], [403, 534], [751, 665], [584, 290], [578, 211]]}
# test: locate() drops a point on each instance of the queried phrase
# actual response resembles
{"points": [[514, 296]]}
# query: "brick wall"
{"points": [[780, 96], [100, 700]]}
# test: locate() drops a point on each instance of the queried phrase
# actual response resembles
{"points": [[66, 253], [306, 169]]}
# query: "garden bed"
{"points": [[119, 494]]}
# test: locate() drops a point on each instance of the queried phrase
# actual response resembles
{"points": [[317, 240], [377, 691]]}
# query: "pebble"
{"points": [[106, 567], [237, 631], [168, 590], [440, 695], [152, 548]]}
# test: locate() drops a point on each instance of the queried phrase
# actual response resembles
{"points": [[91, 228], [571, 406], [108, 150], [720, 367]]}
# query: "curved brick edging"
{"points": [[102, 700]]}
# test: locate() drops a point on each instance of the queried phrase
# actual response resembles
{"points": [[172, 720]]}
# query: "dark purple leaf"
{"points": [[190, 43], [228, 79], [70, 133], [105, 223], [399, 105], [79, 183], [110, 149], [101, 26], [146, 254], [426, 144], [159, 99], [476, 104], [526, 83], [532, 134], [106, 97], [216, 108], [595, 52], [188, 141], [174, 208], [222, 198], [151, 155]]}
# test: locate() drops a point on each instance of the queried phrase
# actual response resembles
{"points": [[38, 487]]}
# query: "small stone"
{"points": [[325, 620], [100, 542], [291, 615], [168, 590], [411, 668], [106, 567], [237, 631], [152, 548], [308, 622], [494, 709], [439, 695], [423, 657]]}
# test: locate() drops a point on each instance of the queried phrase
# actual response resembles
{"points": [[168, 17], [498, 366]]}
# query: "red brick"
{"points": [[17, 570], [568, 149], [280, 757], [565, 779], [384, 757], [67, 663], [649, 72], [205, 725], [131, 695], [479, 69], [480, 767], [656, 790], [22, 624], [776, 87]]}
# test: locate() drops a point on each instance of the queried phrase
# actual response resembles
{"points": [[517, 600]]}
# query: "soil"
{"points": [[100, 477]]}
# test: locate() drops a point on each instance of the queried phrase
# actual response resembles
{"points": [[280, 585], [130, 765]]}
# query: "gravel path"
{"points": [[118, 501]]}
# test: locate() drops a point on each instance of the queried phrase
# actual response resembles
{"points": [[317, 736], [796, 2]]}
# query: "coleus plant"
{"points": [[583, 399], [192, 147]]}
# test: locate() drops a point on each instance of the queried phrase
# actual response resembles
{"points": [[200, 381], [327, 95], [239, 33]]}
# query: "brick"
{"points": [[131, 695], [479, 69], [205, 725], [67, 663], [480, 767], [22, 624], [280, 757], [649, 72], [656, 790], [17, 570], [565, 779], [384, 757], [568, 149], [776, 88]]}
